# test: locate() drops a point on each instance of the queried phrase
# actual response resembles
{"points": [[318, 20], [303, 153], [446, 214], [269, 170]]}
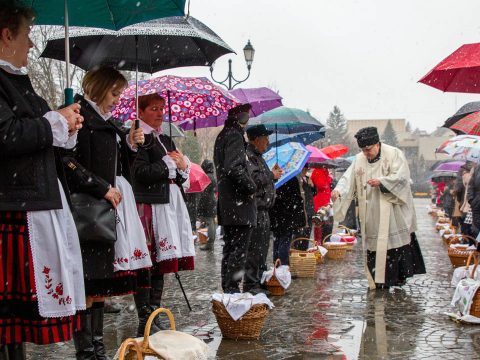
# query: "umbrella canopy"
{"points": [[107, 14], [459, 144], [470, 124], [465, 110], [194, 102], [262, 99], [335, 151], [291, 158], [303, 138], [316, 156], [162, 44], [198, 179], [458, 72], [449, 166], [442, 176], [338, 164], [285, 120]]}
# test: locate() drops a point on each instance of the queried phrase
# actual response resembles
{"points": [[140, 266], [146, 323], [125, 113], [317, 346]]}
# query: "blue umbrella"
{"points": [[290, 157], [305, 138]]}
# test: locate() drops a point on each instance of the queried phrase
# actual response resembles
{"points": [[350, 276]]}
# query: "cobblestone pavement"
{"points": [[330, 317]]}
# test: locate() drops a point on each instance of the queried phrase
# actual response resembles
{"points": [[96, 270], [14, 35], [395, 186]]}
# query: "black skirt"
{"points": [[20, 320], [402, 263]]}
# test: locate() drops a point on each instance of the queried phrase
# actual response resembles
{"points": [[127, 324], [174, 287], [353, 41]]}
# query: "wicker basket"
{"points": [[336, 251], [318, 254], [302, 263], [475, 307], [248, 327], [130, 350], [458, 256], [202, 236], [273, 285]]}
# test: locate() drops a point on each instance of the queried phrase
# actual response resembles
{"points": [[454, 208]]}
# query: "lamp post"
{"points": [[248, 52]]}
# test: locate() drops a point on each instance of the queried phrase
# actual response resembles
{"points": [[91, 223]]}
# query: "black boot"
{"points": [[156, 299], [82, 338], [142, 302], [16, 352], [3, 352], [98, 311]]}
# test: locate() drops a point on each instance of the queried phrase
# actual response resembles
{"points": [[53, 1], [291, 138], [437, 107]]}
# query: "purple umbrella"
{"points": [[262, 99], [449, 166]]}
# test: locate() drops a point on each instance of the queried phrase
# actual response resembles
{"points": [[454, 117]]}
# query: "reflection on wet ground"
{"points": [[330, 317]]}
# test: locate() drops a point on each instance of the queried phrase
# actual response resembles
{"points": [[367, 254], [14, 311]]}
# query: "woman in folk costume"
{"points": [[379, 177], [159, 170], [41, 285], [99, 166]]}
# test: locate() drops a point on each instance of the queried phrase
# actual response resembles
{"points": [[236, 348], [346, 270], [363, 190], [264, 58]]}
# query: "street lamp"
{"points": [[248, 52]]}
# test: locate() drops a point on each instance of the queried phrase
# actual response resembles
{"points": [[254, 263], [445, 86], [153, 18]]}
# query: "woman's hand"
{"points": [[72, 114], [136, 136], [114, 196], [179, 159]]}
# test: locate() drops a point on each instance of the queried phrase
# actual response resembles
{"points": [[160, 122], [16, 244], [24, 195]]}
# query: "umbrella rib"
{"points": [[111, 13]]}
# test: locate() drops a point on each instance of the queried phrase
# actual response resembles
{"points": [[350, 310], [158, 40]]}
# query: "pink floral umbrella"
{"points": [[194, 102], [316, 155]]}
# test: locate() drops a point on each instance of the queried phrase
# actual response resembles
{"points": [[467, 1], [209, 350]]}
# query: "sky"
{"points": [[364, 56]]}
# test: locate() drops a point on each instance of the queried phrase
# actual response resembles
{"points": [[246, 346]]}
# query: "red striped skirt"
{"points": [[20, 320]]}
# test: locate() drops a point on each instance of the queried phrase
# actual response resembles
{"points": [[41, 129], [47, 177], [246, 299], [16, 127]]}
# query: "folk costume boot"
{"points": [[156, 299], [3, 352], [82, 338], [16, 352], [98, 312], [142, 302]]}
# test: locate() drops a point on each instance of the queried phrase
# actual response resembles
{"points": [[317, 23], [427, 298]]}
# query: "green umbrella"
{"points": [[108, 14]]}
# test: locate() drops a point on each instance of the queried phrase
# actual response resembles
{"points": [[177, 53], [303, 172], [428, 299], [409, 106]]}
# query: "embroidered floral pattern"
{"points": [[57, 291], [138, 255], [120, 260], [165, 246]]}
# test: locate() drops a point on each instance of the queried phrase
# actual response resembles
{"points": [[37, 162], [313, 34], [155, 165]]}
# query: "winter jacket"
{"points": [[207, 203], [28, 176], [288, 212], [473, 196], [236, 188], [263, 178], [322, 180], [150, 173]]}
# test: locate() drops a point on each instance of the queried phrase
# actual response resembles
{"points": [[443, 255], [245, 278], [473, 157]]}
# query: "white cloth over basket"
{"points": [[238, 304], [462, 272], [462, 301], [282, 273], [175, 345]]}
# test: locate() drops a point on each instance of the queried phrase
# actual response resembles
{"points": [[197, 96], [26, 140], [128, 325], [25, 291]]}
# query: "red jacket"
{"points": [[322, 180]]}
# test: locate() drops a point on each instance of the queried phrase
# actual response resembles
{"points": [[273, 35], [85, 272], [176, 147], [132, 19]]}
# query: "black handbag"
{"points": [[95, 219]]}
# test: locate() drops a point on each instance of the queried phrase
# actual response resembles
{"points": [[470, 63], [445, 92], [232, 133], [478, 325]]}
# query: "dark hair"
{"points": [[96, 83], [145, 100], [12, 13]]}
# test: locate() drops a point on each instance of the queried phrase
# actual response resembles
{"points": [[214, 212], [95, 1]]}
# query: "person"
{"points": [[264, 179], [39, 241], [288, 217], [207, 205], [466, 208], [159, 170], [380, 177], [448, 201], [236, 196], [473, 197], [322, 179], [99, 166]]}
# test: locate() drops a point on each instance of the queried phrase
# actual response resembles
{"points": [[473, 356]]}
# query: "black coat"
{"points": [[207, 202], [288, 212], [150, 173], [473, 196], [310, 192], [94, 155], [263, 178], [236, 188], [28, 165]]}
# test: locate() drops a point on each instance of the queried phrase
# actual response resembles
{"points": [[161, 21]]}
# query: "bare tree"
{"points": [[48, 76]]}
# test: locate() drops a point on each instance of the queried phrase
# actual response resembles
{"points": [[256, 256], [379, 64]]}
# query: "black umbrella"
{"points": [[162, 44], [338, 163], [465, 110]]}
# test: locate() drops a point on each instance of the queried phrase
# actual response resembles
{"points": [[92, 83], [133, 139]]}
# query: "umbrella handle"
{"points": [[68, 96]]}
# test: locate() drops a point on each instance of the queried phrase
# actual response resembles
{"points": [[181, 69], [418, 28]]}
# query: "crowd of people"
{"points": [[90, 209]]}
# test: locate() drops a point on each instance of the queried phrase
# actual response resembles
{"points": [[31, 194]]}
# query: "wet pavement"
{"points": [[333, 316]]}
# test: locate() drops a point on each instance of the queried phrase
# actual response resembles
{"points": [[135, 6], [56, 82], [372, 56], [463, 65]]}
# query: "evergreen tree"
{"points": [[408, 127], [389, 136], [336, 127]]}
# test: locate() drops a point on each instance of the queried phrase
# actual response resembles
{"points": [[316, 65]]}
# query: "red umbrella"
{"points": [[334, 151], [459, 72], [198, 179], [470, 124]]}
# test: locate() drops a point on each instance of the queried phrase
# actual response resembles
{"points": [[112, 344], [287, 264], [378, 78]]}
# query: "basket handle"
{"points": [[475, 259], [278, 262], [302, 239], [152, 316], [349, 231], [126, 345], [469, 260]]}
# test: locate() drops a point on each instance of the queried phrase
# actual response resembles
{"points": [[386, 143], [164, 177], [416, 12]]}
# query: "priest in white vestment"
{"points": [[379, 178]]}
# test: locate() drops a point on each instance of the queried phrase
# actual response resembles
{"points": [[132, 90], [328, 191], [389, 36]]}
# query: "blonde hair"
{"points": [[96, 83]]}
